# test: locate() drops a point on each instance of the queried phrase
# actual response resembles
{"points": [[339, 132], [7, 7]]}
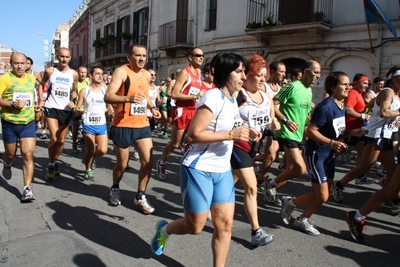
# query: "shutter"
{"points": [[119, 38], [135, 30], [295, 11], [146, 26]]}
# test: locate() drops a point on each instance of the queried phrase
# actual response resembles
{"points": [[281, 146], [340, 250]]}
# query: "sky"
{"points": [[22, 20]]}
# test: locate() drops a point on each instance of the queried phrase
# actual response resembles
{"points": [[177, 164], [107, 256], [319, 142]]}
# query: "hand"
{"points": [[255, 135], [71, 105], [137, 98], [241, 133], [38, 108], [338, 146], [20, 104], [156, 113], [292, 126]]}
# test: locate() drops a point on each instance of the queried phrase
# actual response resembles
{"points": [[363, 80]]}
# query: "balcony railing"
{"points": [[176, 33], [285, 12]]}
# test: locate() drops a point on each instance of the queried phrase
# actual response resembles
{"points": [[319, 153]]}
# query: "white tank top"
{"points": [[269, 90], [382, 127], [255, 115], [59, 91], [153, 92], [95, 107]]}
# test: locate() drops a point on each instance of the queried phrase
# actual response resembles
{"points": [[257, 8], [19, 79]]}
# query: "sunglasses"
{"points": [[198, 55], [153, 74]]}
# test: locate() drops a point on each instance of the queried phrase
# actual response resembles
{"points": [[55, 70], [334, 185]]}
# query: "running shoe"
{"points": [[89, 175], [356, 228], [376, 164], [337, 192], [144, 205], [381, 173], [281, 167], [261, 238], [395, 209], [50, 172], [161, 170], [303, 225], [165, 136], [260, 186], [93, 166], [27, 195], [115, 196], [136, 155], [43, 136], [363, 180], [159, 239], [383, 181], [56, 169], [286, 210], [270, 193], [7, 173]]}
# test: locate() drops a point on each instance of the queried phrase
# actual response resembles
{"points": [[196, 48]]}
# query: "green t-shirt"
{"points": [[295, 105], [13, 88], [82, 85], [163, 94]]}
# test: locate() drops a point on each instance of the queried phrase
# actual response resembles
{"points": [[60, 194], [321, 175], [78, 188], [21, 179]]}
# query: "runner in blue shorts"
{"points": [[205, 165], [326, 127], [94, 123]]}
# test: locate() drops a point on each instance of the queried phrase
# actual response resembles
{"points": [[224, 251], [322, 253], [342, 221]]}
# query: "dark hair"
{"points": [[332, 80], [191, 51], [309, 64], [206, 68], [274, 65], [295, 72], [357, 76], [389, 75], [28, 58], [92, 69], [223, 64], [378, 79], [135, 45]]}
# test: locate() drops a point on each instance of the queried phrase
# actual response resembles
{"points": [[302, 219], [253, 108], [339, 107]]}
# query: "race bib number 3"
{"points": [[139, 108], [28, 97]]}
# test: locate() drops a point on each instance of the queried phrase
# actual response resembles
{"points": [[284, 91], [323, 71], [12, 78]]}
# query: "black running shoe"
{"points": [[356, 228]]}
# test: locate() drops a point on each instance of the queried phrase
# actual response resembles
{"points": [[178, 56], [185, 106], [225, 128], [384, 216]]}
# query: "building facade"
{"points": [[333, 32]]}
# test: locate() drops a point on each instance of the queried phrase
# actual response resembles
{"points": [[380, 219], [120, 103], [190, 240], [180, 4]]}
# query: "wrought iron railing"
{"points": [[176, 32], [275, 12]]}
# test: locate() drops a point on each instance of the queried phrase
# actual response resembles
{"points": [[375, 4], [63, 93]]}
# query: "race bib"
{"points": [[339, 125], [258, 118], [61, 92], [24, 96], [139, 108], [194, 91], [95, 118], [238, 121]]}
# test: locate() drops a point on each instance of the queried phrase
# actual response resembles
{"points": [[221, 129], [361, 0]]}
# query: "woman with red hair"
{"points": [[256, 111]]}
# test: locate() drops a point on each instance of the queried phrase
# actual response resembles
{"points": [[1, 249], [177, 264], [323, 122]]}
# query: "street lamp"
{"points": [[46, 47]]}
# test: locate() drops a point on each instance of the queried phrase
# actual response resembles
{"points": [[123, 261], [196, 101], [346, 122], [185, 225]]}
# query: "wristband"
{"points": [[154, 108], [230, 135], [284, 120], [362, 117], [331, 143]]}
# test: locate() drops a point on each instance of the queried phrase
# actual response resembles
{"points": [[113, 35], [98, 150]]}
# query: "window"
{"points": [[140, 26], [123, 27], [211, 20]]}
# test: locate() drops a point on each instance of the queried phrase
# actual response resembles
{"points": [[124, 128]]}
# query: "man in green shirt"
{"points": [[294, 102]]}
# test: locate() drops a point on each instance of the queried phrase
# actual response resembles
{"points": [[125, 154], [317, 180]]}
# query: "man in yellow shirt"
{"points": [[17, 90]]}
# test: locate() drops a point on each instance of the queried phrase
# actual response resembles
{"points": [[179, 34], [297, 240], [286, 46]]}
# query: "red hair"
{"points": [[256, 63]]}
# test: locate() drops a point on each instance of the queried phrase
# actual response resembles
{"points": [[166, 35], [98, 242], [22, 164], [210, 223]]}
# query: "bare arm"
{"points": [[81, 97], [46, 76], [176, 90], [202, 119], [384, 100]]}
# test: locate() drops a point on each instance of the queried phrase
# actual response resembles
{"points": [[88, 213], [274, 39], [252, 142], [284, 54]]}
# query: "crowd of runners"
{"points": [[231, 118]]}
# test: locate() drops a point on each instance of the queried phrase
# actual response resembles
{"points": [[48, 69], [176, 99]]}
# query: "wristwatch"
{"points": [[13, 103], [284, 120]]}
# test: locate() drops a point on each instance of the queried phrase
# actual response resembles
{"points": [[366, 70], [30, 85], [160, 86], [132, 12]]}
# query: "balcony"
{"points": [[268, 19], [175, 35]]}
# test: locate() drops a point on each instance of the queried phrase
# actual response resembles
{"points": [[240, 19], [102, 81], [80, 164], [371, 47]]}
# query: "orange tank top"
{"points": [[132, 115]]}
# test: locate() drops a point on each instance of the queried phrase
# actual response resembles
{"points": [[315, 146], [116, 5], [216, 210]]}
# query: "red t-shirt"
{"points": [[356, 101]]}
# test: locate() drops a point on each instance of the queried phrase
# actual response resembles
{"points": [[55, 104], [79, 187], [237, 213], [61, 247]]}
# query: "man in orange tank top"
{"points": [[186, 91], [128, 91]]}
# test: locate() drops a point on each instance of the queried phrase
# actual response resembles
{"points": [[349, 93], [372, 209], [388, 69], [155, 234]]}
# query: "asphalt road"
{"points": [[72, 223]]}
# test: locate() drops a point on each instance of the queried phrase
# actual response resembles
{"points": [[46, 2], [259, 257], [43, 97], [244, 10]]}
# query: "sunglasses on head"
{"points": [[198, 55]]}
